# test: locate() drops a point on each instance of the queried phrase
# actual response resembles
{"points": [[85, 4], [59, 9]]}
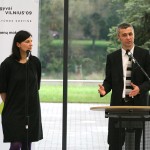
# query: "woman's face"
{"points": [[25, 45]]}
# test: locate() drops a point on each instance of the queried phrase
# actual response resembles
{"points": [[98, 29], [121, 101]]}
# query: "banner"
{"points": [[17, 15]]}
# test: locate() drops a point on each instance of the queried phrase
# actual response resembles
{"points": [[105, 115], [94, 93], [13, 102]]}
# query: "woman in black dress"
{"points": [[19, 88]]}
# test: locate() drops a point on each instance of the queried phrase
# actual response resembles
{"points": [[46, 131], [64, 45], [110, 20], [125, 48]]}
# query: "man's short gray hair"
{"points": [[123, 26]]}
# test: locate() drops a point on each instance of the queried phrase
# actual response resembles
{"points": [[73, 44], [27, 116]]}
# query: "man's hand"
{"points": [[135, 90], [101, 90]]}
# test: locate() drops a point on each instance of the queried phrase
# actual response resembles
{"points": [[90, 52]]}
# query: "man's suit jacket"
{"points": [[114, 76]]}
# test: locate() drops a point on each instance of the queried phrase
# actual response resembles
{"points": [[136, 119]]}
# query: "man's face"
{"points": [[126, 37]]}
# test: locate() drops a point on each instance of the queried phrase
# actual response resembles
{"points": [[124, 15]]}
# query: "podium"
{"points": [[126, 116]]}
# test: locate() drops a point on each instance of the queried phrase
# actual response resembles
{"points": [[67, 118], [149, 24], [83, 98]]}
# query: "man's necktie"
{"points": [[128, 78]]}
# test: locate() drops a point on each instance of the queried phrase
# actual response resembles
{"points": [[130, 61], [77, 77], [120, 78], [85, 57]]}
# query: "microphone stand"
{"points": [[142, 69], [27, 104]]}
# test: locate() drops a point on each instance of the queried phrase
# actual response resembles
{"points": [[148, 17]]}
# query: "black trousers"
{"points": [[114, 139]]}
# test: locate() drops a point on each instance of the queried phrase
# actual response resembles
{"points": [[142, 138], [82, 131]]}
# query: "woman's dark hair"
{"points": [[19, 37]]}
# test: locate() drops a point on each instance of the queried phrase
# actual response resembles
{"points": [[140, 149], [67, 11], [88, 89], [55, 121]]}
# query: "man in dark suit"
{"points": [[115, 80]]}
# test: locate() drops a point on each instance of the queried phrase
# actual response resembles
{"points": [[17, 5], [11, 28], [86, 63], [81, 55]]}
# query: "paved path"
{"points": [[87, 130]]}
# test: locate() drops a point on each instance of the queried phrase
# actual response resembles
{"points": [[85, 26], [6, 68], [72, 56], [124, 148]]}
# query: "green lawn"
{"points": [[102, 43], [76, 94]]}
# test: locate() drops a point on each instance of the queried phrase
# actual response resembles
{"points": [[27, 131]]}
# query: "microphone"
{"points": [[130, 55], [28, 52]]}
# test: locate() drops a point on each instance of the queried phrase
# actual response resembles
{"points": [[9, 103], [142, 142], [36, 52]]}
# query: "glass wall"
{"points": [[89, 22], [51, 18]]}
